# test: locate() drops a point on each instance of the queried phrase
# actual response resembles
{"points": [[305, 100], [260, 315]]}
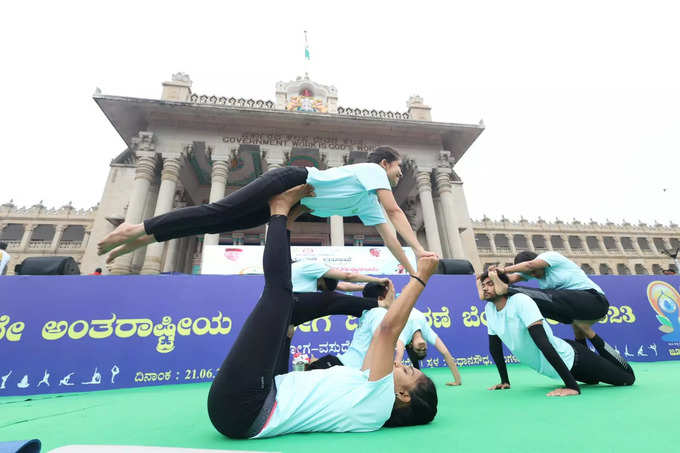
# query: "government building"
{"points": [[186, 149]]}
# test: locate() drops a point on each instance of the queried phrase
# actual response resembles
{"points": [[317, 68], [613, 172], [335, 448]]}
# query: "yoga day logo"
{"points": [[665, 300]]}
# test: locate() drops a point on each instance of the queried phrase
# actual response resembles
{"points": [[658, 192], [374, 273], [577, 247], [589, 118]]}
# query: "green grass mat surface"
{"points": [[641, 418]]}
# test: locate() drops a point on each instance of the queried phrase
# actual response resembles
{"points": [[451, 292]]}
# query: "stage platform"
{"points": [[470, 418]]}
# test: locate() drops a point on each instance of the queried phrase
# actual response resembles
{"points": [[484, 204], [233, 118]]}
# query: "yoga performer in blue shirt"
{"points": [[361, 190], [517, 321], [566, 293], [254, 396]]}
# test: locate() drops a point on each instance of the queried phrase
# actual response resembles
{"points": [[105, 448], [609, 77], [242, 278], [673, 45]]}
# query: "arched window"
{"points": [[610, 243], [641, 270], [557, 242], [644, 244], [575, 243], [74, 233], [587, 268], [521, 242], [502, 243], [657, 269], [12, 232], [483, 242], [593, 243], [43, 233], [622, 269], [605, 269], [539, 243], [658, 243], [627, 244]]}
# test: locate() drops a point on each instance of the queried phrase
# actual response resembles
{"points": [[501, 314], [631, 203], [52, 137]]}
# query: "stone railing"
{"points": [[9, 211], [39, 244], [232, 102], [559, 226], [365, 113], [70, 244]]}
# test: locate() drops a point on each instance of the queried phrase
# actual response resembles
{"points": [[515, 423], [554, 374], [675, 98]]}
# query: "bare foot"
{"points": [[130, 247], [280, 204], [125, 232], [499, 286], [296, 212]]}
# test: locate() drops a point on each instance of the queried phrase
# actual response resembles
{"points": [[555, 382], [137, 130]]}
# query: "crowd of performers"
{"points": [[254, 395]]}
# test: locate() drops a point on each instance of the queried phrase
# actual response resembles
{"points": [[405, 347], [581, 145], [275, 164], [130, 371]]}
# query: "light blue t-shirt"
{"points": [[305, 275], [363, 335], [512, 323], [337, 399], [416, 321], [562, 273], [348, 191]]}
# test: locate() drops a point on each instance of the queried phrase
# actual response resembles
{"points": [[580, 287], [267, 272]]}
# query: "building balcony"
{"points": [[579, 252], [503, 250]]}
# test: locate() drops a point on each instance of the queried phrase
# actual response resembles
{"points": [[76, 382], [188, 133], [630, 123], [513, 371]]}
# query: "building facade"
{"points": [[186, 149]]}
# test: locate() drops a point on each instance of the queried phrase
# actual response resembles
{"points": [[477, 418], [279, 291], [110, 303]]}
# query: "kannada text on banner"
{"points": [[81, 333]]}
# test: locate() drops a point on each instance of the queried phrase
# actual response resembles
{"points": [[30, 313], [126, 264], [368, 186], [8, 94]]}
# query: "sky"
{"points": [[580, 99]]}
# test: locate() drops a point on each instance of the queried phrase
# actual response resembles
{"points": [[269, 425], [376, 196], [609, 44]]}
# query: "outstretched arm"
{"points": [[380, 356], [537, 332], [392, 243], [349, 287], [353, 277], [399, 351], [450, 361], [496, 350], [524, 267], [400, 222]]}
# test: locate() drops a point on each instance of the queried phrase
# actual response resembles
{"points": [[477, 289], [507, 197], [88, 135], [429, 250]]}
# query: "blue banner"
{"points": [[80, 333]]}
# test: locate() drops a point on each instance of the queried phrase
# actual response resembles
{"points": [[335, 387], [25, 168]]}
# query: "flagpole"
{"points": [[307, 56]]}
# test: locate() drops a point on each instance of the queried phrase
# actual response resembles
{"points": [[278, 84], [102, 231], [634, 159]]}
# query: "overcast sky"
{"points": [[581, 101]]}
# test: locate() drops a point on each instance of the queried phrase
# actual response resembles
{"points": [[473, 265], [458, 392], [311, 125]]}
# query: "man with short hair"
{"points": [[4, 258], [517, 322], [566, 293]]}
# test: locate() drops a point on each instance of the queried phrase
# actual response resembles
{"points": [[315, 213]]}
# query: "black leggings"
{"points": [[242, 391], [246, 208], [566, 305], [608, 367]]}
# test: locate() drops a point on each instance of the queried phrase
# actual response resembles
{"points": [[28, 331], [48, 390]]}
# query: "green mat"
{"points": [[470, 418]]}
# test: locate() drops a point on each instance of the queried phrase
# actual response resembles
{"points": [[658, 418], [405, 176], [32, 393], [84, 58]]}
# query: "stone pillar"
{"points": [[600, 242], [636, 246], [548, 243], [511, 242], [584, 244], [530, 242], [166, 197], [443, 179], [492, 243], [58, 233], [567, 246], [334, 158], [86, 238], [441, 223], [28, 231], [218, 186], [273, 156], [431, 230], [144, 175]]}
